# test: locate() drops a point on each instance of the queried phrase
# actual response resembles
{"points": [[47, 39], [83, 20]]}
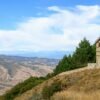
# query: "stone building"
{"points": [[97, 64], [98, 52]]}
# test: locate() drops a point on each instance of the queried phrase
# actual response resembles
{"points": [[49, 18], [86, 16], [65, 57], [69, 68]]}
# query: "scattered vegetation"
{"points": [[22, 87], [48, 91], [75, 85]]}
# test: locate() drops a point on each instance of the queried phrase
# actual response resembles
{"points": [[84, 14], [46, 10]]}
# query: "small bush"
{"points": [[48, 91]]}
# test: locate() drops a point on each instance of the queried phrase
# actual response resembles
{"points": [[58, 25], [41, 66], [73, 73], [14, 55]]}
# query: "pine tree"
{"points": [[84, 54]]}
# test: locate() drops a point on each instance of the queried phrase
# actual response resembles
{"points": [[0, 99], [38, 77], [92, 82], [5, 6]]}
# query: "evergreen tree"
{"points": [[84, 54], [93, 53], [62, 65], [67, 63]]}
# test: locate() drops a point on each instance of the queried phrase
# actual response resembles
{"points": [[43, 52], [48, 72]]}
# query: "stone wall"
{"points": [[92, 65], [98, 54]]}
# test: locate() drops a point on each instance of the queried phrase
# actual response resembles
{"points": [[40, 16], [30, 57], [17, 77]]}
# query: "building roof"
{"points": [[97, 40]]}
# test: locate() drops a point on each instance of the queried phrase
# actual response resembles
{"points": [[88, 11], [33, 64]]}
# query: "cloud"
{"points": [[55, 8], [59, 31]]}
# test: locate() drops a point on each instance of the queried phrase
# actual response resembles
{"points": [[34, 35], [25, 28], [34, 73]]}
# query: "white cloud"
{"points": [[55, 8], [59, 31]]}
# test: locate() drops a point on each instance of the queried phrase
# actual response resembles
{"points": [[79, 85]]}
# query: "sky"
{"points": [[47, 28]]}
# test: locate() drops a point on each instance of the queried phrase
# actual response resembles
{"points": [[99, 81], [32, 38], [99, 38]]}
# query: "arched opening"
{"points": [[98, 44]]}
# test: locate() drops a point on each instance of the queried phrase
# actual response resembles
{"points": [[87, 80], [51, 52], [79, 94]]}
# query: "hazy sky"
{"points": [[47, 25]]}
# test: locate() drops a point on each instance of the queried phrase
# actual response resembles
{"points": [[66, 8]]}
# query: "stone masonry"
{"points": [[98, 52]]}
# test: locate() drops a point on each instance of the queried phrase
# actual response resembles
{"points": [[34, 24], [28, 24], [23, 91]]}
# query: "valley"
{"points": [[14, 69]]}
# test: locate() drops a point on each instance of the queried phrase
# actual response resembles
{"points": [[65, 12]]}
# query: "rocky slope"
{"points": [[14, 69]]}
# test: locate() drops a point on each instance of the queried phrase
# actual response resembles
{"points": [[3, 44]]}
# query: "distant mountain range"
{"points": [[14, 69], [40, 54]]}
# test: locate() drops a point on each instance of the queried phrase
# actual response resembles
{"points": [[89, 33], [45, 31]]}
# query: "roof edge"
{"points": [[97, 40]]}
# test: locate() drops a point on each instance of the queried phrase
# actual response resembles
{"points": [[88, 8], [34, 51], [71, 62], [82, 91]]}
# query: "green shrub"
{"points": [[48, 91], [22, 87]]}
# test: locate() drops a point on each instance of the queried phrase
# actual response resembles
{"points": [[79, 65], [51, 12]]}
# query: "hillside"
{"points": [[15, 69], [81, 80], [81, 84]]}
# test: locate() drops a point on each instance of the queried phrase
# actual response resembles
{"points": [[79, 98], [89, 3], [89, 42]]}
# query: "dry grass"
{"points": [[83, 85], [72, 95]]}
